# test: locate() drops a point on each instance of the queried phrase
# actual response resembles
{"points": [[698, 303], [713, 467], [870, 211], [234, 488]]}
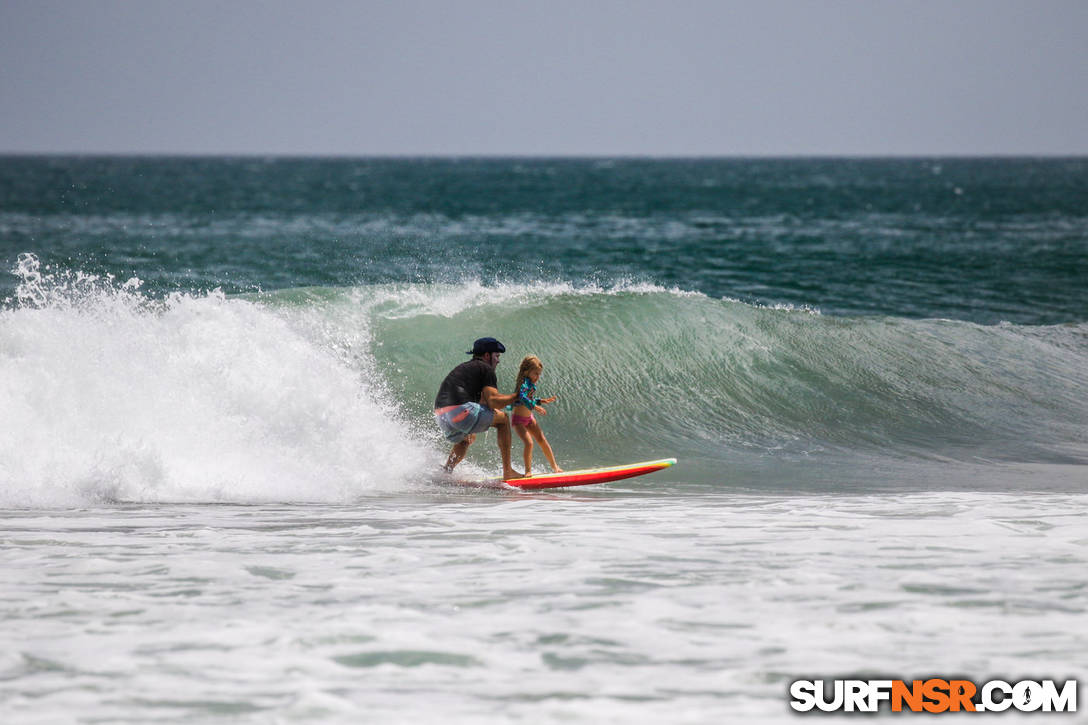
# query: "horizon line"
{"points": [[534, 156]]}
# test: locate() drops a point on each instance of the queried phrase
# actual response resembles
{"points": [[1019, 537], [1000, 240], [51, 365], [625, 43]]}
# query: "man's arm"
{"points": [[490, 397]]}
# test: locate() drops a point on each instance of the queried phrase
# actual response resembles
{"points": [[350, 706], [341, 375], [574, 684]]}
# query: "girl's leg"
{"points": [[524, 435], [539, 435]]}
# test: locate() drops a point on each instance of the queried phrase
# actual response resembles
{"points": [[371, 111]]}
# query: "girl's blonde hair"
{"points": [[528, 365]]}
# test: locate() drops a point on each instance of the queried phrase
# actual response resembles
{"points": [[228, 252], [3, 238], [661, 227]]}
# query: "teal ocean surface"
{"points": [[984, 240], [218, 459]]}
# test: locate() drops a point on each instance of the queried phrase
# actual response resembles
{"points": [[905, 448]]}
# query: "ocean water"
{"points": [[218, 488]]}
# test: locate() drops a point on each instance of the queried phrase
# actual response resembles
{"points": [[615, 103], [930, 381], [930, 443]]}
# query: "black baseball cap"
{"points": [[485, 345]]}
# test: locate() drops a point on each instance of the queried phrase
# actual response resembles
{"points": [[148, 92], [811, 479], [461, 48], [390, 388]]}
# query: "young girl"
{"points": [[524, 422]]}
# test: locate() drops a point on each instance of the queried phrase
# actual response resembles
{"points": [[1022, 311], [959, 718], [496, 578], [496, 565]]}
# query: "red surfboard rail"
{"points": [[588, 476]]}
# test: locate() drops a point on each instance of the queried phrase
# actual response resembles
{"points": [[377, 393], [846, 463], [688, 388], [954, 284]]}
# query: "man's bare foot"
{"points": [[511, 473]]}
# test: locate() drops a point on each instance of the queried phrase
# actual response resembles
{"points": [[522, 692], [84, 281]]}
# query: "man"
{"points": [[468, 402]]}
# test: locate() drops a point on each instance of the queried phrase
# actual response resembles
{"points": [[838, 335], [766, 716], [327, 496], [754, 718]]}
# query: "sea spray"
{"points": [[109, 395]]}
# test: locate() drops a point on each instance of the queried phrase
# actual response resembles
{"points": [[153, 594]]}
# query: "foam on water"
{"points": [[110, 395], [597, 608]]}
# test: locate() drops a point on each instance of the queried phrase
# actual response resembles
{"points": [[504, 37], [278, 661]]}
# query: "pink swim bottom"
{"points": [[522, 419]]}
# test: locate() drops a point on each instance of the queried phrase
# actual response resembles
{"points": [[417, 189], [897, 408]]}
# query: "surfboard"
{"points": [[582, 477]]}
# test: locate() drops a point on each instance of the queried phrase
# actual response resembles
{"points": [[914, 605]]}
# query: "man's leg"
{"points": [[458, 453], [502, 424]]}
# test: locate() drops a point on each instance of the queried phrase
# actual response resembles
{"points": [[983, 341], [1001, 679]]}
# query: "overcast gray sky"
{"points": [[589, 77]]}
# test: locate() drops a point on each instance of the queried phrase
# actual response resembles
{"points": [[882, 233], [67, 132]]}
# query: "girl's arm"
{"points": [[540, 401]]}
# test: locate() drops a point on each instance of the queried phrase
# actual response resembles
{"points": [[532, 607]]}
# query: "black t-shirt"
{"points": [[465, 383]]}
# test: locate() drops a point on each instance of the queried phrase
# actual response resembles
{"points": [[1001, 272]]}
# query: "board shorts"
{"points": [[458, 422]]}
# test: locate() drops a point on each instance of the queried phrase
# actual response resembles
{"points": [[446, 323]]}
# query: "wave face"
{"points": [[643, 371], [325, 394]]}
